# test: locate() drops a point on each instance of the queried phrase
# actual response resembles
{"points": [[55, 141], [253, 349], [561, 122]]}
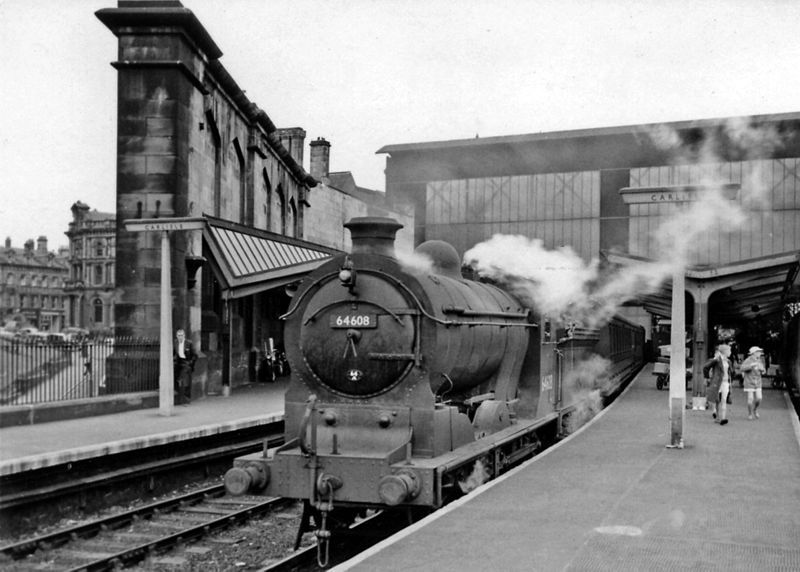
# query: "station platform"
{"points": [[613, 497], [28, 447]]}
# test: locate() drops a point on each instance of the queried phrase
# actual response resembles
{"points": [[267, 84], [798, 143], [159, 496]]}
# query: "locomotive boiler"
{"points": [[409, 382]]}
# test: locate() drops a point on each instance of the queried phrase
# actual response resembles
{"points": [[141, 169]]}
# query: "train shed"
{"points": [[718, 198]]}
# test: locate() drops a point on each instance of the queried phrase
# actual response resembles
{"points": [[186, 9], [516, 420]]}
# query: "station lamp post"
{"points": [[165, 226]]}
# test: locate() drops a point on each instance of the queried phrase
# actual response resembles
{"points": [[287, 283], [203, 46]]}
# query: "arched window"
{"points": [[98, 311], [216, 141], [98, 274], [245, 201], [11, 279], [23, 280], [280, 203], [99, 249], [267, 200], [292, 223]]}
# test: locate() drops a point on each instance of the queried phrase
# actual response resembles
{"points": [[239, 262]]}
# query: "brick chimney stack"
{"points": [[294, 140], [41, 245], [320, 158]]}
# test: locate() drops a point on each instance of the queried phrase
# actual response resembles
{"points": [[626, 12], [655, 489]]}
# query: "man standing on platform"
{"points": [[752, 370], [183, 357], [718, 370]]}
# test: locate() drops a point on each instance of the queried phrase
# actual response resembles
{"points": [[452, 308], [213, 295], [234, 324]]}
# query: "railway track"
{"points": [[344, 544], [132, 536], [33, 499]]}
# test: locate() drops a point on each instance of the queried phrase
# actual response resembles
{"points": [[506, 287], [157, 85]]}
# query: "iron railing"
{"points": [[39, 371]]}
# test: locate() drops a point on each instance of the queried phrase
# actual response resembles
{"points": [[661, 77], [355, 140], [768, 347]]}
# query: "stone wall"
{"points": [[189, 143], [331, 208]]}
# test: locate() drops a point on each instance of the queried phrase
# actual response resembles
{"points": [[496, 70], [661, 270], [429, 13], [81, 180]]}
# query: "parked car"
{"points": [[57, 338], [37, 338], [75, 334]]}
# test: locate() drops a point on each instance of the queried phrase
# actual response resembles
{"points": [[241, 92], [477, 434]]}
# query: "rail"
{"points": [[52, 542]]}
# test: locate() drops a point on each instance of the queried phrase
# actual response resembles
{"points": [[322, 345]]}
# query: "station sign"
{"points": [[162, 224], [677, 194]]}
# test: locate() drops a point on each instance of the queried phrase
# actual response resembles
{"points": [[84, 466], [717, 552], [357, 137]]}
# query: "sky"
{"points": [[368, 73]]}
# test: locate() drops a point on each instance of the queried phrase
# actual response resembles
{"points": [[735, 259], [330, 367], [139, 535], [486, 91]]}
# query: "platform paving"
{"points": [[614, 497], [45, 444]]}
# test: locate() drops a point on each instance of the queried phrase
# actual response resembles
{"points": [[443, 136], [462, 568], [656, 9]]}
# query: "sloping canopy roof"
{"points": [[248, 260], [742, 290]]}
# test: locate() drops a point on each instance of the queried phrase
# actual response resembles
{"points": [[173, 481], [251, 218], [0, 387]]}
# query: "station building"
{"points": [[612, 194], [32, 285], [90, 287], [191, 144]]}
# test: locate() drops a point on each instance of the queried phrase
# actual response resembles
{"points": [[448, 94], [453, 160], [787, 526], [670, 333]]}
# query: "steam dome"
{"points": [[444, 257]]}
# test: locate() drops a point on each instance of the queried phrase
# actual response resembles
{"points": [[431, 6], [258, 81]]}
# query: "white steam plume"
{"points": [[558, 283], [478, 476], [587, 382], [415, 262], [553, 279]]}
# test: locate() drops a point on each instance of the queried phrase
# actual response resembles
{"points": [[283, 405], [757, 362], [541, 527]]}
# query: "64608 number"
{"points": [[354, 321]]}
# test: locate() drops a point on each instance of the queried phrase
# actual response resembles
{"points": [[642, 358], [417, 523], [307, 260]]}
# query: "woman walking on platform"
{"points": [[752, 370], [718, 371]]}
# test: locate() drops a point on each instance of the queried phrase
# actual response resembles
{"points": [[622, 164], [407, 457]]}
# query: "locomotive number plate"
{"points": [[354, 321]]}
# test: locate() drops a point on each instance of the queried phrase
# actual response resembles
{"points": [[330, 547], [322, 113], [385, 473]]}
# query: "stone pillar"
{"points": [[163, 52], [677, 361], [701, 293]]}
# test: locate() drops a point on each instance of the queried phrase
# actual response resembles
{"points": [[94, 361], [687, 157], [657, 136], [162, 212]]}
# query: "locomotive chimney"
{"points": [[373, 234]]}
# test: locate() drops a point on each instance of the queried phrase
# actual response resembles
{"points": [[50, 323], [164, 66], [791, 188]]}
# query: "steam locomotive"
{"points": [[408, 386]]}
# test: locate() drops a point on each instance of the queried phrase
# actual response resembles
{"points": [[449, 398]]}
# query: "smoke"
{"points": [[415, 262], [678, 236], [550, 278], [476, 478], [735, 139], [590, 374], [559, 284], [586, 383]]}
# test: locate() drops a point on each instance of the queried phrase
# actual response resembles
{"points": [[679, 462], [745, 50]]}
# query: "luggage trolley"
{"points": [[661, 371]]}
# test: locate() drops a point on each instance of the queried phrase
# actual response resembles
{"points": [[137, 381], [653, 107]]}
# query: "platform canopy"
{"points": [[741, 290], [247, 261]]}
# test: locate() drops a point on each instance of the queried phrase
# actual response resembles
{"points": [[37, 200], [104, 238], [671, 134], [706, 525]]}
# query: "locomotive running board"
{"points": [[469, 453], [519, 441]]}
